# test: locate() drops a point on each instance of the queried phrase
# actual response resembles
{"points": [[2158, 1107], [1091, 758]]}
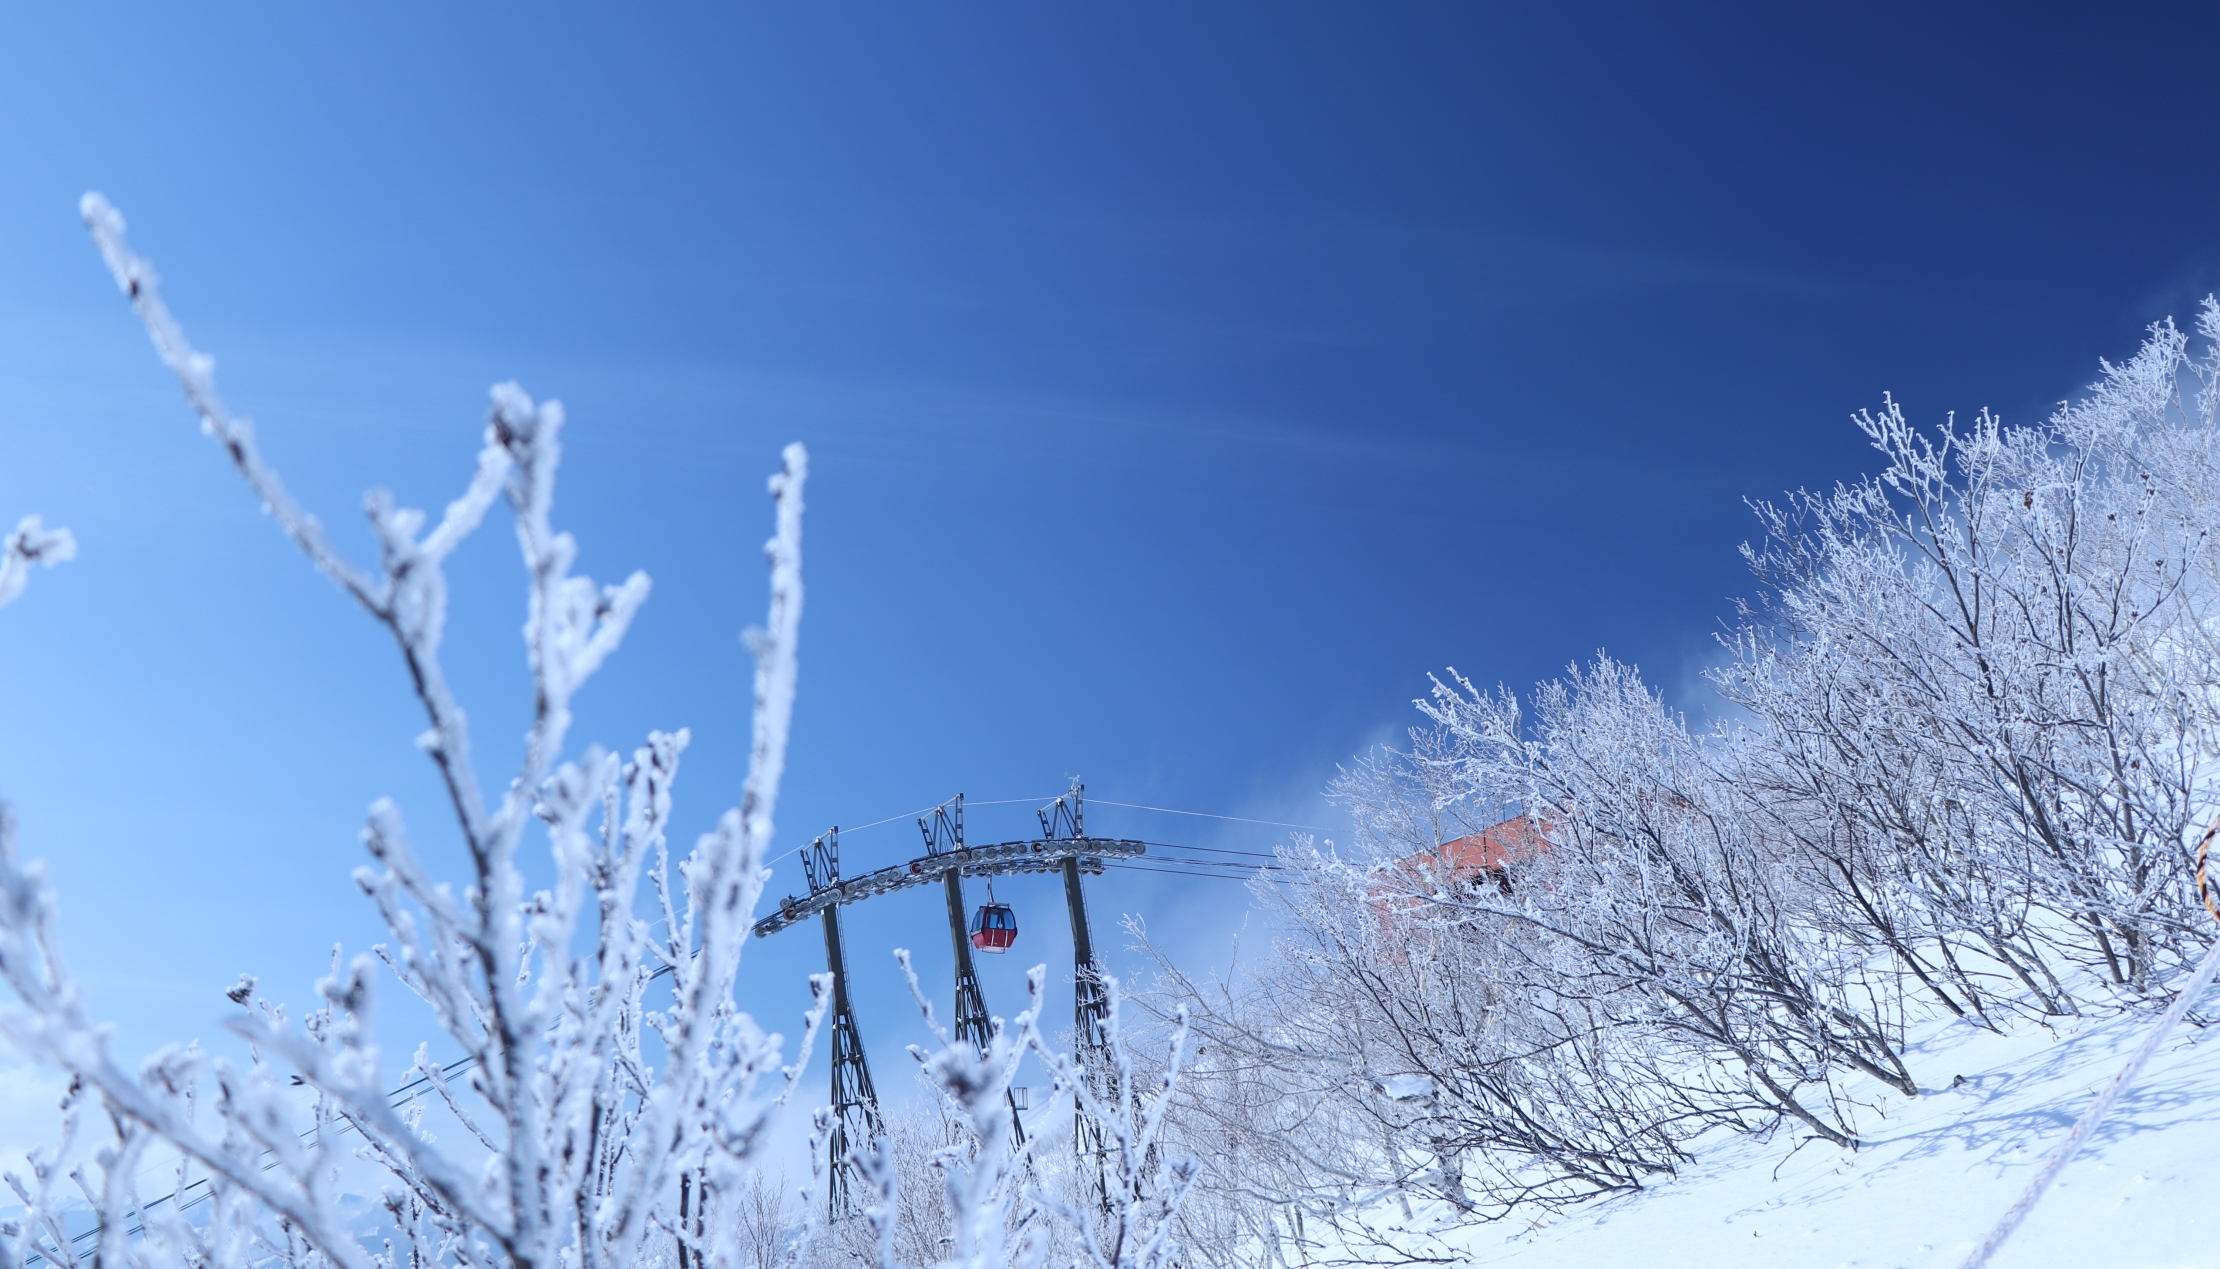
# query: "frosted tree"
{"points": [[1975, 702], [1131, 1219], [950, 1188], [1387, 1046], [981, 1173], [1671, 894], [609, 1131], [1986, 678], [611, 1097]]}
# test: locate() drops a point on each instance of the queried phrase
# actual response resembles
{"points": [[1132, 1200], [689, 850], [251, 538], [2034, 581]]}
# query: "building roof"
{"points": [[1514, 841]]}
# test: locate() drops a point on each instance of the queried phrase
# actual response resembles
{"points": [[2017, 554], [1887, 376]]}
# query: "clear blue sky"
{"points": [[1184, 383]]}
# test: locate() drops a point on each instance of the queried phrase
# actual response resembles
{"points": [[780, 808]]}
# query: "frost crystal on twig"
{"points": [[31, 543], [583, 1140]]}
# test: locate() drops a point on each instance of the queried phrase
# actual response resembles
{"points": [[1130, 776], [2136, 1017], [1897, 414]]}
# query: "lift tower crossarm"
{"points": [[999, 859]]}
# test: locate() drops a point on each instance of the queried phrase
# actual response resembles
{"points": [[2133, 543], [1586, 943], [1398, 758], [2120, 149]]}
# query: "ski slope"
{"points": [[1934, 1174]]}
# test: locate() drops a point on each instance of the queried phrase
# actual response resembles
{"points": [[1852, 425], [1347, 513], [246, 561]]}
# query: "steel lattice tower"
{"points": [[855, 1103], [944, 834], [1064, 848], [1065, 820]]}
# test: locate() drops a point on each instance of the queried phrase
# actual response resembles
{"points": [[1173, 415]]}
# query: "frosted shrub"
{"points": [[955, 1171], [1987, 677], [1668, 904], [1376, 1051], [599, 1117], [605, 1126], [1974, 708]]}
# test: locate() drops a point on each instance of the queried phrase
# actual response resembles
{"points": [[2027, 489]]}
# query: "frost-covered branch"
{"points": [[1135, 1225], [587, 1148], [1973, 713], [31, 543], [981, 1176]]}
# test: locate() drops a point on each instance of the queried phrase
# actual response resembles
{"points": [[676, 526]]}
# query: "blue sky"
{"points": [[1184, 383]]}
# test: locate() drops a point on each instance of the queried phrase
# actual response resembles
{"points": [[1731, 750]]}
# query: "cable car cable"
{"points": [[1173, 872], [1238, 819], [1226, 865], [1216, 850]]}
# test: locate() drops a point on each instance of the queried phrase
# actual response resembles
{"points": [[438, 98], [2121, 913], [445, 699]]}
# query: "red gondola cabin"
{"points": [[993, 928]]}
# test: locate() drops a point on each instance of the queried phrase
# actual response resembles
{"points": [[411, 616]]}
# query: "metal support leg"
{"points": [[1065, 820], [973, 1025], [855, 1104], [1090, 1047]]}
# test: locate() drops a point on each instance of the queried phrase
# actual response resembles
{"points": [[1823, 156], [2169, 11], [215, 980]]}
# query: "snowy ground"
{"points": [[1937, 1172]]}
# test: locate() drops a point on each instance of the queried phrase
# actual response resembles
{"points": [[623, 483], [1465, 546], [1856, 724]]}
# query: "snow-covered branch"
{"points": [[587, 1152], [31, 543], [1973, 713]]}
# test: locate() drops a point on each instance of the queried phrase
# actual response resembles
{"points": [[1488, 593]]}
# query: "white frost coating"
{"points": [[596, 1132], [31, 543], [982, 1183], [196, 372], [1976, 708], [590, 1151], [1141, 1191]]}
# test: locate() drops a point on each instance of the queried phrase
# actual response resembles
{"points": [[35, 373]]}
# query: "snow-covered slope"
{"points": [[1935, 1173]]}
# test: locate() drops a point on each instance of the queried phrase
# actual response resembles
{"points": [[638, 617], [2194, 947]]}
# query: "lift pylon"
{"points": [[944, 836], [1065, 820], [1063, 847], [855, 1104]]}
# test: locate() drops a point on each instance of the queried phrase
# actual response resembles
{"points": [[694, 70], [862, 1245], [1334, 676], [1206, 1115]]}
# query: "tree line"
{"points": [[1958, 762]]}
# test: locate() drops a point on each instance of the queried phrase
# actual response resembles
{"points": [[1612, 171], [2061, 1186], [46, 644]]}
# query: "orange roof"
{"points": [[1514, 841], [1464, 860]]}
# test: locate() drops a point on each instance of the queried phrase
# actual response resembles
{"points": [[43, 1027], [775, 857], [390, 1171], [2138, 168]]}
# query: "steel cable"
{"points": [[2056, 1161]]}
